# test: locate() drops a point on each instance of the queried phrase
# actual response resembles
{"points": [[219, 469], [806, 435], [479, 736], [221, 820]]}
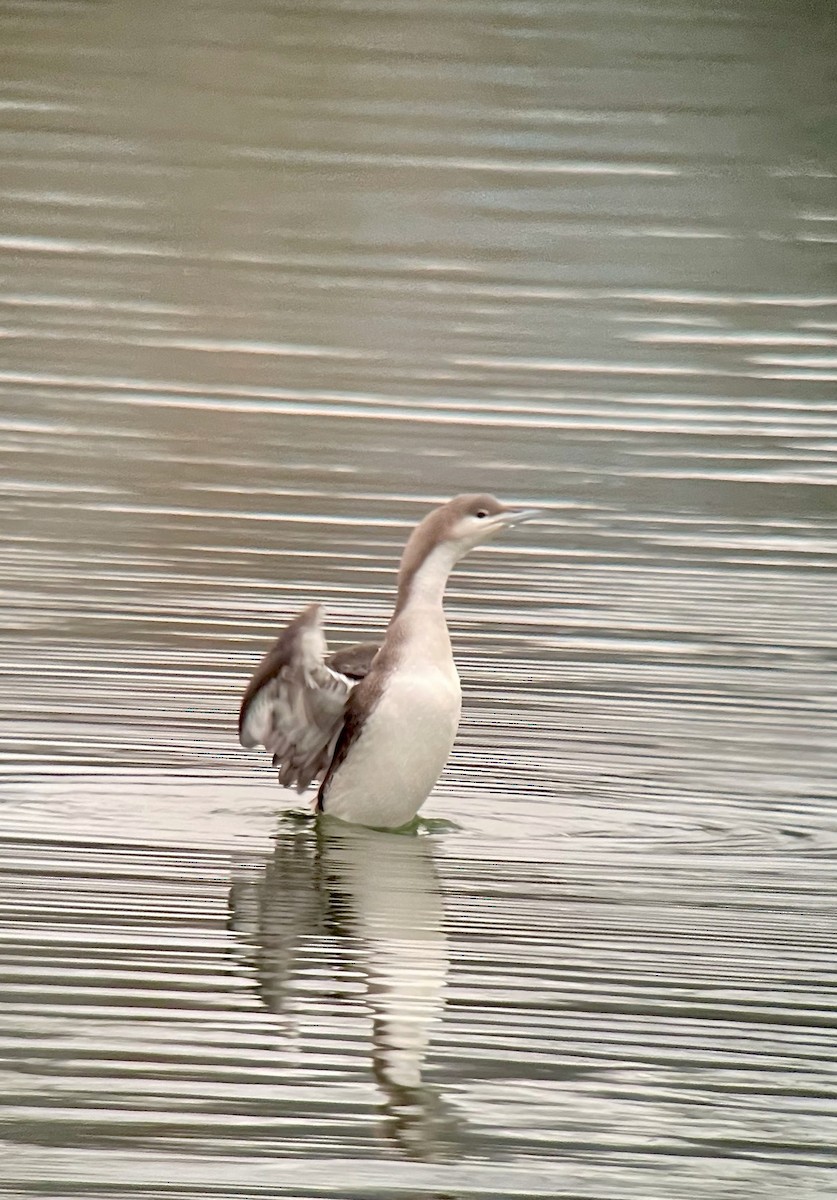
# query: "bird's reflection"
{"points": [[370, 902]]}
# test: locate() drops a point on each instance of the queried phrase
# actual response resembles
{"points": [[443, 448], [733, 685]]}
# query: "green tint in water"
{"points": [[278, 280]]}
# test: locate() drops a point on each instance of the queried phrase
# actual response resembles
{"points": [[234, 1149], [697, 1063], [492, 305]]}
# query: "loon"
{"points": [[374, 724]]}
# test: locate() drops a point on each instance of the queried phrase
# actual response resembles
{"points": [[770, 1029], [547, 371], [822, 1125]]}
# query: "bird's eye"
{"points": [[482, 513]]}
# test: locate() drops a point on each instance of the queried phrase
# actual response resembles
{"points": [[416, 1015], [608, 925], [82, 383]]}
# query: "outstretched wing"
{"points": [[295, 702]]}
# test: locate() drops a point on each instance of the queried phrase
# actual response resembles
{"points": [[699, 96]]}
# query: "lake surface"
{"points": [[277, 279]]}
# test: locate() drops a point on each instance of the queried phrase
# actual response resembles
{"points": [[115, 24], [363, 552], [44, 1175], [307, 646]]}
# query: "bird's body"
{"points": [[375, 725]]}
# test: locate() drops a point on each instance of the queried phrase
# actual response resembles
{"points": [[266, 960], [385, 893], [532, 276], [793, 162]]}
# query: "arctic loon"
{"points": [[374, 724]]}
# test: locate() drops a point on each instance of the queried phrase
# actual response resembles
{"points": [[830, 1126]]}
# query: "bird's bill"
{"points": [[514, 516]]}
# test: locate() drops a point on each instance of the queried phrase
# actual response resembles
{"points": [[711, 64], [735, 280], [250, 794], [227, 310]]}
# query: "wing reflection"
{"points": [[364, 907]]}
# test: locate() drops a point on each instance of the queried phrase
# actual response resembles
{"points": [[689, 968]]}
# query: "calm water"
{"points": [[276, 279]]}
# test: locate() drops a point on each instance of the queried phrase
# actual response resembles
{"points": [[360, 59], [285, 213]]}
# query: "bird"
{"points": [[373, 724]]}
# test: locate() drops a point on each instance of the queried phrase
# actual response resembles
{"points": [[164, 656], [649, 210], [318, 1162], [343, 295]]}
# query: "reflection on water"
{"points": [[278, 279], [350, 920]]}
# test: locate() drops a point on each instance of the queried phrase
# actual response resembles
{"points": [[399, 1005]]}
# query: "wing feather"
{"points": [[295, 703]]}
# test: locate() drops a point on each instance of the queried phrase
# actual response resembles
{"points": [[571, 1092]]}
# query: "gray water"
{"points": [[276, 279]]}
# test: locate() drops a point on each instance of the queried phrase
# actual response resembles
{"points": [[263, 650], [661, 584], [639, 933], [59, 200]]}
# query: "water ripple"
{"points": [[279, 282]]}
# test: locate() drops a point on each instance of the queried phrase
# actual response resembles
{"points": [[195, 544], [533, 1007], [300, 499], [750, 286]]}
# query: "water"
{"points": [[277, 280]]}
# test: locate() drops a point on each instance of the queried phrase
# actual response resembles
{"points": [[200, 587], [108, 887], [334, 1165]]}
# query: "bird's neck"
{"points": [[422, 587], [419, 618]]}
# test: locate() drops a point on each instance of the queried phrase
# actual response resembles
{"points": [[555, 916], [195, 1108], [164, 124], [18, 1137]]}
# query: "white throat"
{"points": [[418, 629], [426, 588]]}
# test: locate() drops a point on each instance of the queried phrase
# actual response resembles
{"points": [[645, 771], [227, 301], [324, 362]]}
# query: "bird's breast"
{"points": [[401, 748]]}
